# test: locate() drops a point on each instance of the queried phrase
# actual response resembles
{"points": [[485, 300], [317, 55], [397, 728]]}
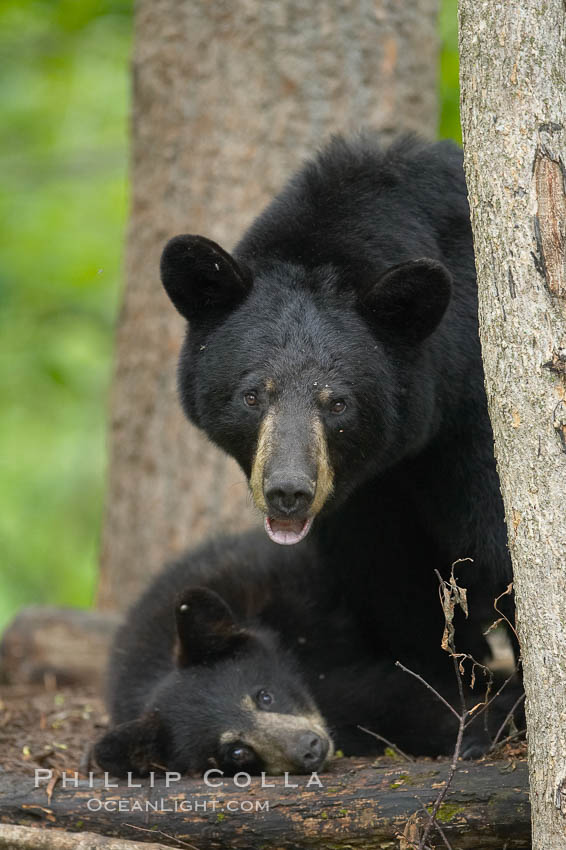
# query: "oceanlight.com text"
{"points": [[164, 806]]}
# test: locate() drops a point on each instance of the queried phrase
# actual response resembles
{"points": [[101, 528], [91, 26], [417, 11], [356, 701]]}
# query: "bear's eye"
{"points": [[251, 398], [241, 755], [337, 406], [264, 698]]}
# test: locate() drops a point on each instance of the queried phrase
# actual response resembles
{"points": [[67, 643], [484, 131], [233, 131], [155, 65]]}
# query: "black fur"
{"points": [[252, 616], [359, 276]]}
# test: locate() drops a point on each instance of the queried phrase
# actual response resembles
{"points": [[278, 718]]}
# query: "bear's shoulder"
{"points": [[351, 202]]}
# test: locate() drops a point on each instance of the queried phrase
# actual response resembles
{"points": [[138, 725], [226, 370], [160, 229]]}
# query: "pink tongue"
{"points": [[286, 532]]}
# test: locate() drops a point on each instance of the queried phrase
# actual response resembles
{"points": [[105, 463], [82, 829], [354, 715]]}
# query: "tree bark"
{"points": [[359, 805], [228, 97], [513, 59]]}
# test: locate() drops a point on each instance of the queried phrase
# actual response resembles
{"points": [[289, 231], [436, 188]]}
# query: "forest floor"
{"points": [[48, 727], [43, 727], [361, 801]]}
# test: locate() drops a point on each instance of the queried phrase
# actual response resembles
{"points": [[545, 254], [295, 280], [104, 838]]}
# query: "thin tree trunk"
{"points": [[228, 98], [513, 64]]}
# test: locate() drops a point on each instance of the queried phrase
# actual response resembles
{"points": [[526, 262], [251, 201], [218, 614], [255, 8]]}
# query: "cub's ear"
{"points": [[206, 628], [201, 278], [409, 300], [139, 746]]}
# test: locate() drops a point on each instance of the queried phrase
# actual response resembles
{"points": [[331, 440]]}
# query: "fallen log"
{"points": [[60, 646], [358, 803]]}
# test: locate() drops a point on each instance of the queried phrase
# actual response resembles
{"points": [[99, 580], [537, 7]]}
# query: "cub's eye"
{"points": [[337, 406], [264, 699], [241, 755], [251, 398]]}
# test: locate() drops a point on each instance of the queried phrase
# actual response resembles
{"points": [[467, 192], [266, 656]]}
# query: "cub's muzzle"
{"points": [[309, 751]]}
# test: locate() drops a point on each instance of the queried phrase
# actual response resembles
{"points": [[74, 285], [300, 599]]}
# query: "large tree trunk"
{"points": [[228, 98], [513, 60]]}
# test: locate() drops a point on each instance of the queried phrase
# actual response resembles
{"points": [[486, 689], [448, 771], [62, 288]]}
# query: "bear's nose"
{"points": [[311, 750], [288, 496]]}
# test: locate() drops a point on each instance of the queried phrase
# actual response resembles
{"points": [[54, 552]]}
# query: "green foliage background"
{"points": [[64, 100]]}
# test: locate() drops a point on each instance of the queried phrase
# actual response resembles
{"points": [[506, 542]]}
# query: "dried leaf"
{"points": [[51, 785], [411, 834], [451, 595], [493, 626]]}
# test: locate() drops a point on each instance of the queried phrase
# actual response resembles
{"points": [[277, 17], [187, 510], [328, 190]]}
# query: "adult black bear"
{"points": [[336, 356], [238, 657]]}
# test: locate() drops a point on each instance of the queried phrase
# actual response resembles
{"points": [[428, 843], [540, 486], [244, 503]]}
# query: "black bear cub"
{"points": [[240, 656], [193, 685], [335, 355]]}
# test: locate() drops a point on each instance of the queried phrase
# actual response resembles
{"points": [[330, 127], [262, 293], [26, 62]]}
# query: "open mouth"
{"points": [[287, 532]]}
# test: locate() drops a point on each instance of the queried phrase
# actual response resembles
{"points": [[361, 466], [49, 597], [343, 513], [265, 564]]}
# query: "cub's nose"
{"points": [[288, 495], [310, 751]]}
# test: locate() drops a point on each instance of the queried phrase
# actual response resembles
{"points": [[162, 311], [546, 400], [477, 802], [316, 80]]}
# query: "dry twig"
{"points": [[388, 743]]}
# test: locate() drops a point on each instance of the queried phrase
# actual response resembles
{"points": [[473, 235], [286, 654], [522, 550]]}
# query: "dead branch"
{"points": [[28, 838]]}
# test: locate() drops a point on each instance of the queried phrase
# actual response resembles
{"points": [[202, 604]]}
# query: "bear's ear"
{"points": [[409, 300], [201, 278], [206, 628], [139, 746]]}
